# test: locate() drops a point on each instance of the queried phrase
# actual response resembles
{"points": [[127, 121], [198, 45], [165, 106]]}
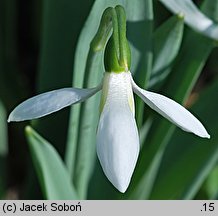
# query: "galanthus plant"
{"points": [[117, 134]]}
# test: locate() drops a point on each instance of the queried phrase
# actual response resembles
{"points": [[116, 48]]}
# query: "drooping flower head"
{"points": [[117, 134]]}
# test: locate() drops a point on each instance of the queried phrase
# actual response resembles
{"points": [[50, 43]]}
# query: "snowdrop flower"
{"points": [[117, 133]]}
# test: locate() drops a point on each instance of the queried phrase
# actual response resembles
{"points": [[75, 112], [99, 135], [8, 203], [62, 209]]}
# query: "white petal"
{"points": [[117, 135], [173, 111], [50, 102]]}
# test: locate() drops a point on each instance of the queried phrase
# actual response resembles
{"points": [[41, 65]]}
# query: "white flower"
{"points": [[117, 134]]}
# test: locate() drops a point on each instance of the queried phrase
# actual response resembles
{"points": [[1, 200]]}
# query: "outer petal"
{"points": [[173, 111], [50, 102], [117, 135]]}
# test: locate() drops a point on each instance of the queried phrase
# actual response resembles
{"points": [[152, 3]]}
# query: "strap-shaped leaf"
{"points": [[167, 40], [53, 176], [211, 185], [3, 149], [3, 131], [140, 34]]}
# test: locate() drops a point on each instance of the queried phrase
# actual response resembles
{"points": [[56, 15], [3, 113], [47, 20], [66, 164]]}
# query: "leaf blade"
{"points": [[167, 41], [52, 174], [3, 131]]}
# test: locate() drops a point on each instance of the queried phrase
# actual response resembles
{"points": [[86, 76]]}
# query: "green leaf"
{"points": [[167, 40], [143, 132], [211, 184], [140, 37], [139, 34], [211, 9], [193, 17], [188, 160], [89, 115], [3, 149], [52, 173], [3, 131]]}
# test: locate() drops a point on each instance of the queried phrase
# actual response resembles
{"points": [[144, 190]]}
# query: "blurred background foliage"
{"points": [[44, 45]]}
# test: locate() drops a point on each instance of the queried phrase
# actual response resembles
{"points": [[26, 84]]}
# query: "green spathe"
{"points": [[111, 61], [117, 57]]}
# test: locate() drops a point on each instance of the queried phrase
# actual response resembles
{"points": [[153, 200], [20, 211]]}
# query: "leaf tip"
{"points": [[181, 15], [28, 130]]}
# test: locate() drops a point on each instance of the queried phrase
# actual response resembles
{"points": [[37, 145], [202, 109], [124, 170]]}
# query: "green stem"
{"points": [[85, 155]]}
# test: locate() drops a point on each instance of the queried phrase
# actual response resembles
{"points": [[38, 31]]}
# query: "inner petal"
{"points": [[117, 87]]}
